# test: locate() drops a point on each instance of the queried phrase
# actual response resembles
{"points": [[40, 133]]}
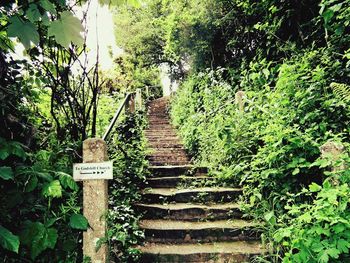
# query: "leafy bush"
{"points": [[39, 199], [130, 169], [272, 147]]}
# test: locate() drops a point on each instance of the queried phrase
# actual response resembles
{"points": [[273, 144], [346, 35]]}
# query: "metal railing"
{"points": [[129, 104]]}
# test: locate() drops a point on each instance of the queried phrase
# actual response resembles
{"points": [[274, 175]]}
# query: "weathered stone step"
{"points": [[220, 252], [168, 162], [154, 133], [163, 145], [173, 181], [159, 122], [166, 159], [176, 170], [167, 152], [162, 136], [198, 195], [189, 212], [167, 156], [176, 231]]}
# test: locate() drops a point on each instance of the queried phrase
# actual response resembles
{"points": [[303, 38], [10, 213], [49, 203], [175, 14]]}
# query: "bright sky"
{"points": [[100, 29]]}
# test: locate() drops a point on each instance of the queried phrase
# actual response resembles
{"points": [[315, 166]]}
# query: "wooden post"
{"points": [[138, 99], [95, 203]]}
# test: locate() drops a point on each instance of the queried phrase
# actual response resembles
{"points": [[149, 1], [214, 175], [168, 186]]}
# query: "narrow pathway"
{"points": [[183, 223]]}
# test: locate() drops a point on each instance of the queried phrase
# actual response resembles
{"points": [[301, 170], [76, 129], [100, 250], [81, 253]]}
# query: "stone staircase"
{"points": [[184, 223]]}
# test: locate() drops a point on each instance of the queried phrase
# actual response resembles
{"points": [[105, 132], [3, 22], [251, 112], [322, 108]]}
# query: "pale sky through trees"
{"points": [[100, 28]]}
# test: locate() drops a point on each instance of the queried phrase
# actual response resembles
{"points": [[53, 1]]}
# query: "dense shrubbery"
{"points": [[130, 168], [294, 103], [272, 148]]}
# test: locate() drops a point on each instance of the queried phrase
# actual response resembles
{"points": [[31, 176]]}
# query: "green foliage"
{"points": [[341, 90], [321, 226], [130, 169], [8, 240], [31, 219], [272, 148], [66, 30], [78, 221], [38, 237], [28, 21], [24, 30]]}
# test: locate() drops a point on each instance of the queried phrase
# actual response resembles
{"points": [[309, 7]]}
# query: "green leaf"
{"points": [[67, 181], [270, 217], [25, 31], [48, 6], [52, 189], [17, 149], [66, 30], [343, 245], [31, 184], [38, 238], [314, 187], [6, 173], [8, 240], [296, 171], [4, 152], [33, 13], [327, 15], [78, 221]]}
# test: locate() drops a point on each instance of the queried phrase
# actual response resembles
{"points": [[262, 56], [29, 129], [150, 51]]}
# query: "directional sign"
{"points": [[92, 171]]}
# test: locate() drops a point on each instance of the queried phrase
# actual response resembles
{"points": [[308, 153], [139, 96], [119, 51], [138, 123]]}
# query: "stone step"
{"points": [[220, 252], [176, 170], [173, 181], [189, 212], [162, 136], [176, 231], [153, 122], [168, 162], [166, 159], [165, 156], [160, 132], [167, 152], [163, 145], [164, 140], [196, 195], [158, 127]]}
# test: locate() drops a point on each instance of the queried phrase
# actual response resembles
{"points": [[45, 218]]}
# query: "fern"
{"points": [[341, 90]]}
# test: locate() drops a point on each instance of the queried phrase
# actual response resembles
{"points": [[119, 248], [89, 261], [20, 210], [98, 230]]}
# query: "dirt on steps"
{"points": [[188, 224]]}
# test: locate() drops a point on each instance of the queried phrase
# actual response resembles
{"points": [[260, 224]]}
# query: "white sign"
{"points": [[92, 171]]}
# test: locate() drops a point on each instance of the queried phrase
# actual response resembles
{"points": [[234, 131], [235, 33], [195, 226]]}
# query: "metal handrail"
{"points": [[116, 115]]}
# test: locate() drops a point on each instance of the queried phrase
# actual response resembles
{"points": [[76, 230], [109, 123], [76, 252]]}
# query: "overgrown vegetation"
{"points": [[130, 170], [46, 113], [291, 60]]}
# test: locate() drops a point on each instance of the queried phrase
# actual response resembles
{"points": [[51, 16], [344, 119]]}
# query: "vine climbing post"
{"points": [[95, 203]]}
